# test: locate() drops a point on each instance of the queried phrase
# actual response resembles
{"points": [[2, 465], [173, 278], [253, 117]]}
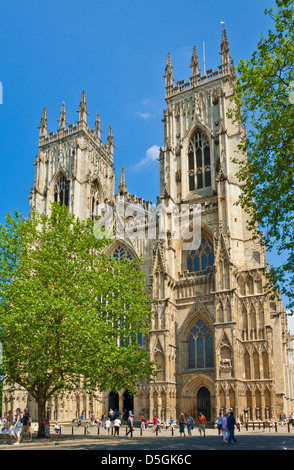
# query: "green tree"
{"points": [[69, 312], [263, 105]]}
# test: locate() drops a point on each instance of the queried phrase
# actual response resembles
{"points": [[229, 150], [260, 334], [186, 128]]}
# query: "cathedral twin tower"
{"points": [[218, 339]]}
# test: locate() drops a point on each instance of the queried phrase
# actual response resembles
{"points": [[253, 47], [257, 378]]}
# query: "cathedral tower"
{"points": [[73, 166], [214, 330]]}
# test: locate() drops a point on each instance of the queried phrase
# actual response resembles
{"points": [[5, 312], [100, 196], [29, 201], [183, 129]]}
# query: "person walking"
{"points": [[201, 423], [219, 424], [238, 423], [231, 427], [130, 425], [171, 422], [17, 426], [190, 425], [282, 418], [143, 422], [182, 424], [154, 423], [26, 425], [117, 424], [225, 427], [107, 425], [292, 418], [158, 425], [4, 429], [8, 427]]}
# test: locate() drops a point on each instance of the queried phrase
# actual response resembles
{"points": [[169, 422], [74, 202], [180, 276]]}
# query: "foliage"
{"points": [[263, 105], [68, 310]]}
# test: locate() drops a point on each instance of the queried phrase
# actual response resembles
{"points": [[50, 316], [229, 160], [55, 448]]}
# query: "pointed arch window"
{"points": [[199, 162], [61, 191], [202, 259], [120, 252], [95, 196], [200, 346]]}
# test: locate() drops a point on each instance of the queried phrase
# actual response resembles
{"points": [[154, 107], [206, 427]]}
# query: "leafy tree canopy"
{"points": [[263, 103], [68, 310]]}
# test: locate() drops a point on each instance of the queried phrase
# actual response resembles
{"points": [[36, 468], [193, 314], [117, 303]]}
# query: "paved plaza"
{"points": [[147, 440]]}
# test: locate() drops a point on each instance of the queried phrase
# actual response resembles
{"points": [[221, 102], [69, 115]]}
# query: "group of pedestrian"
{"points": [[226, 427], [16, 426], [189, 423]]}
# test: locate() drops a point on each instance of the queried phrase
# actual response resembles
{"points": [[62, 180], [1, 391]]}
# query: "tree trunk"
{"points": [[41, 402]]}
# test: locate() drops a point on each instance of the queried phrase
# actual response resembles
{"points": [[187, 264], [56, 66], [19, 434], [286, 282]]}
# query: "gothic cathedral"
{"points": [[219, 341]]}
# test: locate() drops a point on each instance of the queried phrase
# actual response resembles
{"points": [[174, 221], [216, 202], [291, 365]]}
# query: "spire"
{"points": [[225, 51], [122, 187], [43, 124], [194, 62], [110, 144], [97, 129], [62, 118], [83, 108], [168, 72]]}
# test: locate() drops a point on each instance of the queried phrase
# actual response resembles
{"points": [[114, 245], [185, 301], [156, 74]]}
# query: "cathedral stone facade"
{"points": [[219, 340]]}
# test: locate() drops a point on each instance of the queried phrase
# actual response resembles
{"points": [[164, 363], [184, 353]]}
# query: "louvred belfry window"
{"points": [[61, 191], [199, 165]]}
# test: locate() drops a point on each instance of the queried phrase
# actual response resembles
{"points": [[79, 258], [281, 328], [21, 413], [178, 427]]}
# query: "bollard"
{"points": [[288, 427], [276, 426], [141, 432], [72, 430], [172, 431], [98, 430]]}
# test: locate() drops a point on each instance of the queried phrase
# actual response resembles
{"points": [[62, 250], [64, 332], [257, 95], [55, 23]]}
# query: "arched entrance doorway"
{"points": [[203, 402], [128, 402], [113, 401]]}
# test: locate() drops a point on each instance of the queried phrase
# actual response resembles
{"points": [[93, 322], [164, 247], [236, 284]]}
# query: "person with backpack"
{"points": [[190, 425]]}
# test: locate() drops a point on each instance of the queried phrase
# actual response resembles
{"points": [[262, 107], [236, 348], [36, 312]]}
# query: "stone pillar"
{"points": [[253, 407], [151, 404]]}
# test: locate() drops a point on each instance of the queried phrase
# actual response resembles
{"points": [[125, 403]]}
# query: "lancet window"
{"points": [[202, 258], [61, 191], [199, 164], [200, 346]]}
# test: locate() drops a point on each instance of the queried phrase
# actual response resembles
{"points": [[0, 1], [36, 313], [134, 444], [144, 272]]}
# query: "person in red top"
{"points": [[201, 423], [143, 422]]}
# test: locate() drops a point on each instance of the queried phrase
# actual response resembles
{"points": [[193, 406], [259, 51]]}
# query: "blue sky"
{"points": [[116, 50]]}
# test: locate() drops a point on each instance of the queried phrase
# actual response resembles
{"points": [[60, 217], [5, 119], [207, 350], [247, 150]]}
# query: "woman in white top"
{"points": [[107, 426]]}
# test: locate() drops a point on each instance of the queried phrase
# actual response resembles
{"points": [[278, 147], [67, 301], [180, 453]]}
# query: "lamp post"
{"points": [[47, 427]]}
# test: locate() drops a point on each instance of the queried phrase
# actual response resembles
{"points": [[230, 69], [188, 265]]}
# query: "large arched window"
{"points": [[199, 165], [61, 191], [202, 259], [96, 199], [120, 252], [200, 347]]}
